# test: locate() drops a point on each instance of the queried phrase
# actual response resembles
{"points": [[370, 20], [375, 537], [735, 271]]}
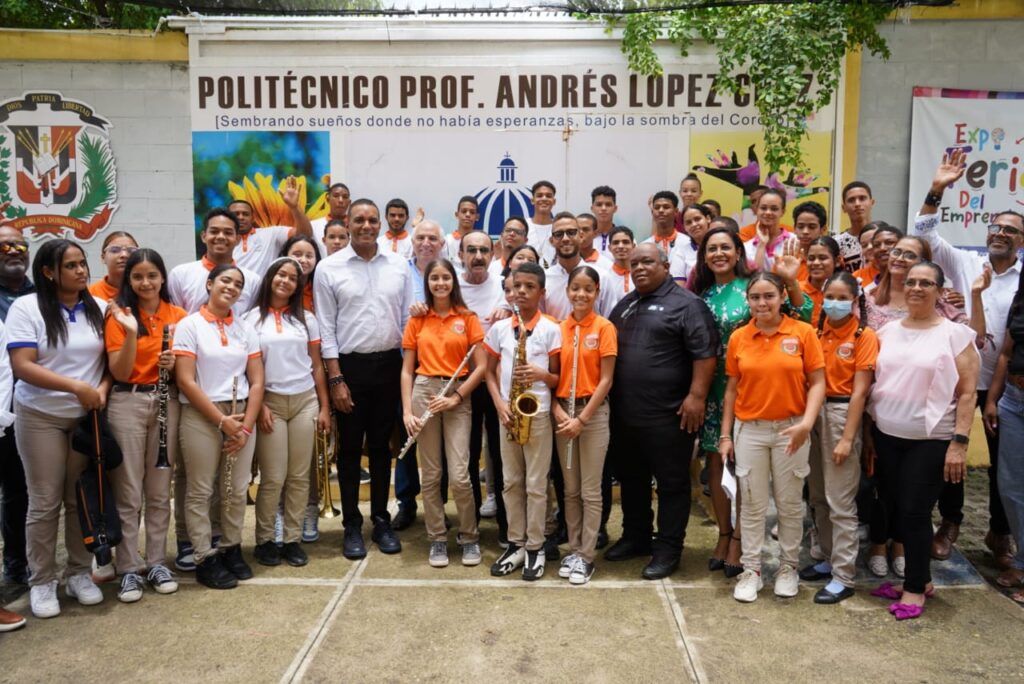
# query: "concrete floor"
{"points": [[393, 618]]}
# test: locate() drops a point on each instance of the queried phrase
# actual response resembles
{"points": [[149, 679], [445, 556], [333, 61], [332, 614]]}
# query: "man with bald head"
{"points": [[14, 283], [668, 346]]}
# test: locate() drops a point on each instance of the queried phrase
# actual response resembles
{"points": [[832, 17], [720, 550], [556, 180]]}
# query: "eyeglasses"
{"points": [[513, 231], [13, 248], [117, 249], [559, 234], [477, 250], [905, 254], [915, 283], [1005, 230]]}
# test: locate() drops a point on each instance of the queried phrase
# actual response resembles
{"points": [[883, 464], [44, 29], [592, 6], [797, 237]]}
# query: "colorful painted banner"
{"points": [[989, 126]]}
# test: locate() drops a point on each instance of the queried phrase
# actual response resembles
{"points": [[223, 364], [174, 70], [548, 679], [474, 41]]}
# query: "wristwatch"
{"points": [[961, 439]]}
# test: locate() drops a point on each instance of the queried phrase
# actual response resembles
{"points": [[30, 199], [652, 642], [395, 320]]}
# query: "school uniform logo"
{"points": [[63, 180], [845, 350], [459, 326], [590, 341], [791, 345]]}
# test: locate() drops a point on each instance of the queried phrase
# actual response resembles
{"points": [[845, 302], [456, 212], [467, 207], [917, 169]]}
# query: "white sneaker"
{"points": [[82, 588], [747, 586], [489, 508], [878, 566], [131, 588], [43, 598], [311, 525], [279, 528], [565, 569], [899, 566], [581, 572], [102, 573], [161, 579], [787, 582]]}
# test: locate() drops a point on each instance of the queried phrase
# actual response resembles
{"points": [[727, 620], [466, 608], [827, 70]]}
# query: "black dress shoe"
{"points": [[810, 574], [232, 559], [602, 538], [384, 537], [626, 548], [404, 519], [212, 573], [660, 567], [824, 596], [294, 555], [353, 546], [267, 553]]}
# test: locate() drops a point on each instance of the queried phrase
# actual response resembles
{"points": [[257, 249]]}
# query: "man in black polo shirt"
{"points": [[668, 346]]}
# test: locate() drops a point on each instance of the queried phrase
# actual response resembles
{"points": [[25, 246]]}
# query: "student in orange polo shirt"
{"points": [[868, 273], [775, 391], [595, 342], [850, 350], [134, 336], [822, 259], [435, 345], [117, 247]]}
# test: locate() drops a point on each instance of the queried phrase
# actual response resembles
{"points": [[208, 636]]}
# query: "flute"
{"points": [[572, 393], [163, 396], [428, 414], [229, 467]]}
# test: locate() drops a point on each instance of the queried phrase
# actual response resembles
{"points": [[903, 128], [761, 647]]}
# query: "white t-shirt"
{"points": [[83, 357], [544, 342], [284, 343], [682, 259], [187, 286], [556, 299], [260, 246], [539, 238], [483, 298], [6, 383], [221, 348]]}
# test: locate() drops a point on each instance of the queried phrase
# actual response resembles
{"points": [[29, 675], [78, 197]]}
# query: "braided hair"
{"points": [[847, 279]]}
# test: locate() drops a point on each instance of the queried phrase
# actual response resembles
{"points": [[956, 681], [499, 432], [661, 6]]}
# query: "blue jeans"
{"points": [[1011, 464]]}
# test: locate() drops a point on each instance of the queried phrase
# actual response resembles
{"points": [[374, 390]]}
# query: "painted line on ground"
{"points": [[683, 641], [300, 663]]}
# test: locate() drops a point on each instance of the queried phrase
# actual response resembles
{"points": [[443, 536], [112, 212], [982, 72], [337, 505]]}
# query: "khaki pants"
{"points": [[583, 482], [180, 486], [833, 492], [284, 460], [526, 481], [133, 420], [454, 426], [201, 443], [51, 470], [762, 466]]}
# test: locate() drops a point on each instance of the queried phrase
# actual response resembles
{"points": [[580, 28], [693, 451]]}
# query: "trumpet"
{"points": [[428, 414], [572, 393], [322, 450]]}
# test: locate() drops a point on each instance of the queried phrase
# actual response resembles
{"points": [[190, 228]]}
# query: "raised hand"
{"points": [[982, 282], [787, 266], [290, 194], [124, 318], [950, 170]]}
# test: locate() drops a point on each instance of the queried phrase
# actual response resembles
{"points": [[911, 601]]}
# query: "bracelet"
{"points": [[459, 395], [336, 380], [933, 199], [220, 425], [723, 438], [246, 430]]}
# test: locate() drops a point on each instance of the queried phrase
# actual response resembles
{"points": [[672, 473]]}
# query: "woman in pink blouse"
{"points": [[922, 404]]}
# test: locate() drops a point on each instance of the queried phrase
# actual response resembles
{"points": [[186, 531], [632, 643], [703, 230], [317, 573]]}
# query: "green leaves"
{"points": [[778, 45]]}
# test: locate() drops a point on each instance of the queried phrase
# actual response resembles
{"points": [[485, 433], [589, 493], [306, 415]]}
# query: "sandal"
{"points": [[1018, 598], [890, 591], [731, 570], [1010, 579], [716, 564], [905, 611]]}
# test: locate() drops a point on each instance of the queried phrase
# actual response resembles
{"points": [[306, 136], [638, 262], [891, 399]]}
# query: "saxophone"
{"points": [[522, 403]]}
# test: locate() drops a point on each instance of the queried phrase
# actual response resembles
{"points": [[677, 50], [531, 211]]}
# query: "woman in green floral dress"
{"points": [[721, 279]]}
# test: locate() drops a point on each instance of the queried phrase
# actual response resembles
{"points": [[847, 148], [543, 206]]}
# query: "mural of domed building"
{"points": [[503, 199]]}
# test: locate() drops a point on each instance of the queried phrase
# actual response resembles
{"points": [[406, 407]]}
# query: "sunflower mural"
{"points": [[267, 206]]}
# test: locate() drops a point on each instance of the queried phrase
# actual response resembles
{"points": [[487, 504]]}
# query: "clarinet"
{"points": [[229, 466], [163, 394]]}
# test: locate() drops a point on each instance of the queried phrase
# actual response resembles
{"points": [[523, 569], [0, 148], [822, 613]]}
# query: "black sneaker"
{"points": [[510, 559], [294, 555], [533, 569], [212, 573], [364, 476], [404, 519], [602, 538], [267, 553], [551, 548], [384, 537], [353, 547], [235, 564]]}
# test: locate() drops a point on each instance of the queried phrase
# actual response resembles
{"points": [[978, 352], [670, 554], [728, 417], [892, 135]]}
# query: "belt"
{"points": [[447, 378], [837, 400], [1015, 380], [581, 401], [371, 356], [126, 387]]}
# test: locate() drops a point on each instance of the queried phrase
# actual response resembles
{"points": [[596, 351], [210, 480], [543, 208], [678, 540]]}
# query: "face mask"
{"points": [[837, 310]]}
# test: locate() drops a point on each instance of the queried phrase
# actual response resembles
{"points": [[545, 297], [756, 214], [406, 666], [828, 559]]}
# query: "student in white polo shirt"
{"points": [[525, 466], [55, 339], [187, 282], [467, 213], [396, 239], [258, 246], [566, 237], [218, 358], [621, 242], [338, 200], [295, 404]]}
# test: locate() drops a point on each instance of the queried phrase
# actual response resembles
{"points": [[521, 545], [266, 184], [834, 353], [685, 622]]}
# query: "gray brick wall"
{"points": [[147, 103], [946, 54]]}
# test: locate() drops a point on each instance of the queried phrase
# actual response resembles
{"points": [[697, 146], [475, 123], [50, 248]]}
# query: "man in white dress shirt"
{"points": [[565, 238], [363, 295]]}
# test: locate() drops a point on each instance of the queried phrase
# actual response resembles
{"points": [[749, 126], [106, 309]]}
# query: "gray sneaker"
{"points": [[438, 554], [471, 553]]}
